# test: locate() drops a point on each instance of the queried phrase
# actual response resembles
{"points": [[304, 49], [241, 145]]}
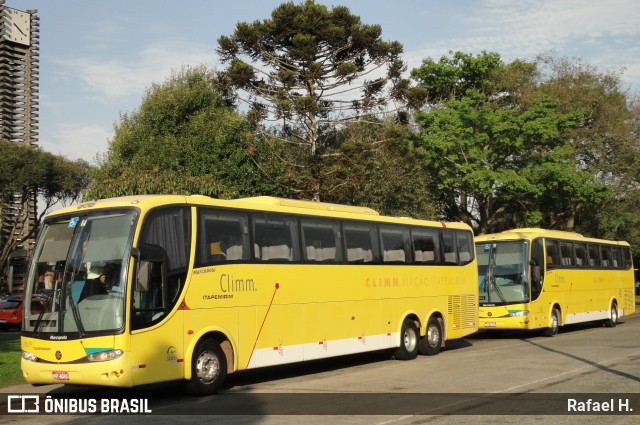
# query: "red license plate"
{"points": [[60, 375]]}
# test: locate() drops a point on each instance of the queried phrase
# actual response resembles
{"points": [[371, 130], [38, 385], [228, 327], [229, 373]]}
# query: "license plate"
{"points": [[3, 321], [490, 325], [60, 375]]}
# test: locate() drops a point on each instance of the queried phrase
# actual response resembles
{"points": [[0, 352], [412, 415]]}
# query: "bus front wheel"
{"points": [[409, 336], [612, 321], [208, 368], [554, 325], [431, 342]]}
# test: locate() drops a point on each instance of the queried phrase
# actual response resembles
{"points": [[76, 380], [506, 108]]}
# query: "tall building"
{"points": [[19, 81]]}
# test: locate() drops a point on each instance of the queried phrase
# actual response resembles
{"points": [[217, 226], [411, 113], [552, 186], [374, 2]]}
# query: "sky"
{"points": [[98, 57]]}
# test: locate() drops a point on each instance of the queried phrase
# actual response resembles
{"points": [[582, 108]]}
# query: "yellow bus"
{"points": [[544, 279], [163, 287]]}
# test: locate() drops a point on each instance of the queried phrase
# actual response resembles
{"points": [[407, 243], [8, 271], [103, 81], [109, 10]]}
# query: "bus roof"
{"points": [[257, 203], [532, 233]]}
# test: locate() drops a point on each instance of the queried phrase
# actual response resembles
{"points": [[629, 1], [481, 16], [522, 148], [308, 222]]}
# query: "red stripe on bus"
{"points": [[262, 325]]}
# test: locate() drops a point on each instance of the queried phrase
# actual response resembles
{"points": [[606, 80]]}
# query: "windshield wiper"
{"points": [[491, 276], [494, 286], [43, 308], [76, 315], [74, 308]]}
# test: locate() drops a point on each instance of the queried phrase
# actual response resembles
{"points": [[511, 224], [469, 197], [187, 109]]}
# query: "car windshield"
{"points": [[78, 273], [10, 305], [503, 272]]}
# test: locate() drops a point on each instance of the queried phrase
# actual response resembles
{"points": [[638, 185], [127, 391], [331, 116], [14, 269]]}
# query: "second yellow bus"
{"points": [[544, 279]]}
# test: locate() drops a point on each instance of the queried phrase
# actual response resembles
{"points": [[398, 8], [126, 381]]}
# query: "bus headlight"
{"points": [[519, 313], [29, 357], [104, 356]]}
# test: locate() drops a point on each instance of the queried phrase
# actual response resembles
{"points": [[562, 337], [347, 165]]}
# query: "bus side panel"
{"points": [[363, 325], [279, 341], [324, 328], [248, 326], [159, 352]]}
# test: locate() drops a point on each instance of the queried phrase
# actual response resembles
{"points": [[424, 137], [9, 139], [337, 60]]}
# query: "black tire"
{"points": [[208, 368], [612, 321], [409, 336], [554, 325], [431, 342]]}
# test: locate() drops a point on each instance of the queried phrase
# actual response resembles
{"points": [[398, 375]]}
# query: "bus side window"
{"points": [[616, 257], [276, 238], [626, 257], [566, 254], [166, 231], [553, 254], [222, 237], [395, 248], [537, 260], [594, 255], [582, 259], [361, 242], [321, 241], [605, 251], [426, 246], [449, 247], [464, 243]]}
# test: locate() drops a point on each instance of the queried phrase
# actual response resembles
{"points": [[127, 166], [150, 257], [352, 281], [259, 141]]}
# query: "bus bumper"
{"points": [[504, 323], [112, 373]]}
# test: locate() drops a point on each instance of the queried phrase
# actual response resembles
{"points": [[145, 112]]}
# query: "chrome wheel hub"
{"points": [[207, 367]]}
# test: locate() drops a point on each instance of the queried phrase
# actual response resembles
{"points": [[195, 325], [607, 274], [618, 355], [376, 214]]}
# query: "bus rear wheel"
{"points": [[431, 342], [612, 321], [554, 324], [208, 368], [409, 336]]}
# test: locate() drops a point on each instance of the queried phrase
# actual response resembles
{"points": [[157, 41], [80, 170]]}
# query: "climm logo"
{"points": [[228, 283], [382, 282]]}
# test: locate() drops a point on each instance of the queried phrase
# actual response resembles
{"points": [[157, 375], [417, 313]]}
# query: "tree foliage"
{"points": [[311, 68], [606, 141], [26, 172], [502, 157], [376, 165], [185, 138]]}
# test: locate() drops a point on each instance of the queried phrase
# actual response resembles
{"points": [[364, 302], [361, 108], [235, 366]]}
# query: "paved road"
{"points": [[471, 376]]}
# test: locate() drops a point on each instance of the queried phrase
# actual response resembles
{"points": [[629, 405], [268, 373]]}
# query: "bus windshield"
{"points": [[79, 271], [503, 272]]}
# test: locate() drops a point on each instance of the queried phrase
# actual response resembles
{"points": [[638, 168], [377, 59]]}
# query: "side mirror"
{"points": [[151, 266], [535, 271]]}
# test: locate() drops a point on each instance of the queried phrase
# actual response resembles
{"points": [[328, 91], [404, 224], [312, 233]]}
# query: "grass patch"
{"points": [[10, 373]]}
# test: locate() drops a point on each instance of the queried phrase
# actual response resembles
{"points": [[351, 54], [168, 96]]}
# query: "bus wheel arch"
{"points": [[612, 321], [409, 339], [210, 362], [433, 340], [555, 321]]}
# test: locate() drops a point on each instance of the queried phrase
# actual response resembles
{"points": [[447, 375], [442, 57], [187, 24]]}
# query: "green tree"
{"points": [[26, 172], [498, 148], [376, 165], [311, 69], [185, 138], [605, 141]]}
